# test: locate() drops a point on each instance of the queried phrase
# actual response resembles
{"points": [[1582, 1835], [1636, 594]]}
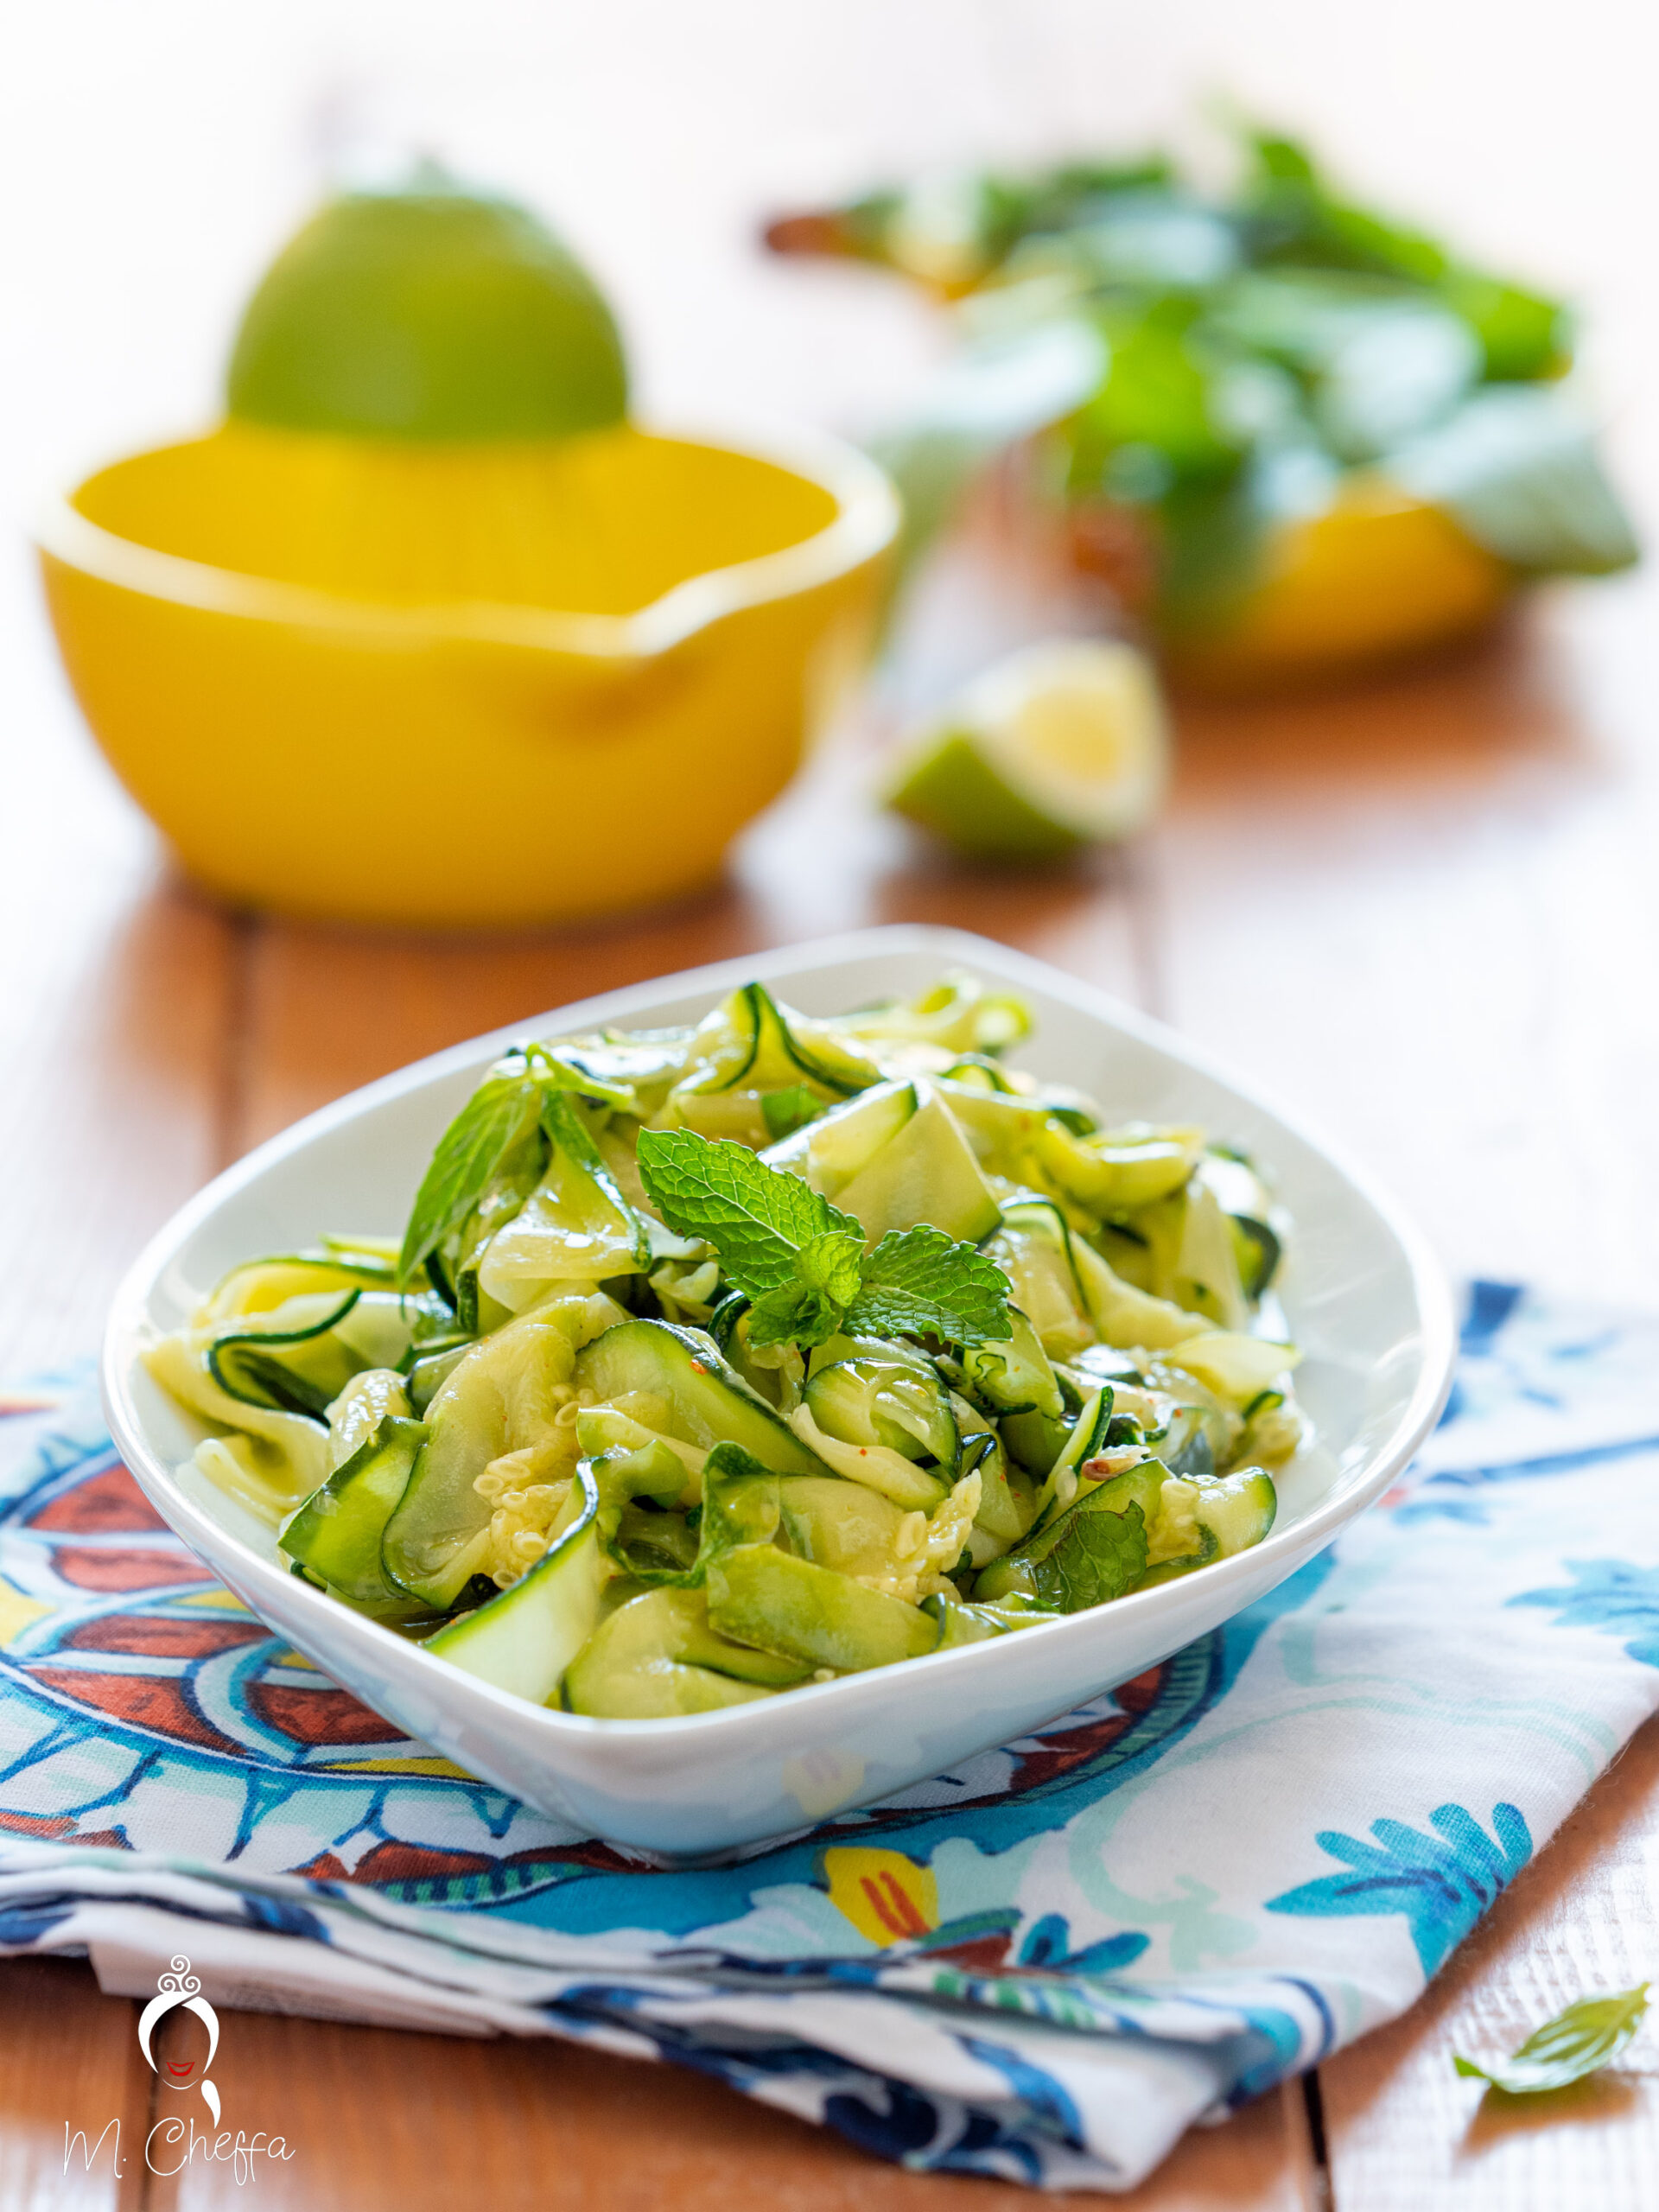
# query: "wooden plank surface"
{"points": [[75, 2092], [1405, 2134], [114, 1026], [1427, 915]]}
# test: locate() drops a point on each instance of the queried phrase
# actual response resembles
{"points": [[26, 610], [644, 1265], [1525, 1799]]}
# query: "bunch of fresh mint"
{"points": [[803, 1262]]}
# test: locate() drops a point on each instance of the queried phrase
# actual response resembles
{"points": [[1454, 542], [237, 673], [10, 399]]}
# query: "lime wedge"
{"points": [[1061, 745], [428, 313]]}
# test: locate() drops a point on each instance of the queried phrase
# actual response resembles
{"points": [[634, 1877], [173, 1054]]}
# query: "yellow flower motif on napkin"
{"points": [[887, 1897], [17, 1611], [29, 1401]]}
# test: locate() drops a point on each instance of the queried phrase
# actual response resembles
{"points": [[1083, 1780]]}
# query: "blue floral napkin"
{"points": [[1043, 1966]]}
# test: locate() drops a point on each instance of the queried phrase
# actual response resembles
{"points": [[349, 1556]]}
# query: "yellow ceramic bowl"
{"points": [[473, 685], [1376, 577]]}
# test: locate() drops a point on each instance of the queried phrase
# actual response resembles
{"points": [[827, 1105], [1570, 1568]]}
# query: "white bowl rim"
{"points": [[864, 524], [1307, 1537]]}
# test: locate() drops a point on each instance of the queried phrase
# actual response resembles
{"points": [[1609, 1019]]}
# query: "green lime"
{"points": [[430, 312], [1062, 744]]}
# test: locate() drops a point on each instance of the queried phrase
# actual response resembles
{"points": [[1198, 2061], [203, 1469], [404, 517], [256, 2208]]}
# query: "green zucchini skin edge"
{"points": [[657, 1658], [688, 1368], [760, 1595], [764, 1012], [297, 1396], [524, 1639], [1234, 1512], [335, 1535]]}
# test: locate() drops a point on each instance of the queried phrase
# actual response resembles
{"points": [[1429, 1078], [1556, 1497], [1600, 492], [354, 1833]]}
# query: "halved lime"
{"points": [[431, 311], [1062, 744]]}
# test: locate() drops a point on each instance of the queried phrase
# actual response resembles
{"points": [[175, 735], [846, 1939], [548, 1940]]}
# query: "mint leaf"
{"points": [[1090, 1554], [476, 1148], [565, 1128], [989, 398], [794, 1313], [470, 1153], [757, 1219], [920, 1282], [1518, 467], [833, 1263], [808, 1311], [1575, 2043], [1098, 1557]]}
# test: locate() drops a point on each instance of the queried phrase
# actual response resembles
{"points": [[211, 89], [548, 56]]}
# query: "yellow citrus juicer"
{"points": [[427, 631]]}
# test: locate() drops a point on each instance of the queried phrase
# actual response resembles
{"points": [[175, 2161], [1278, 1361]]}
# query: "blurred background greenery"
{"points": [[1298, 437], [1275, 357], [154, 158]]}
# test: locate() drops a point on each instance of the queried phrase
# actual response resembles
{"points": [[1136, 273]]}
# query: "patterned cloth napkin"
{"points": [[1044, 1965]]}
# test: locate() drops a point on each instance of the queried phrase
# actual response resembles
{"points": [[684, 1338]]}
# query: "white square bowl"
{"points": [[1365, 1300]]}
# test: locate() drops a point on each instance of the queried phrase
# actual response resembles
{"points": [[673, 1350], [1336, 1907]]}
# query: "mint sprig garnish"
{"points": [[1578, 2041], [523, 1093], [802, 1261], [920, 1282], [810, 1308], [758, 1219]]}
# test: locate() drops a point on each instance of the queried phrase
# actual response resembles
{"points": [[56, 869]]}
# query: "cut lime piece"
{"points": [[428, 313], [1061, 745]]}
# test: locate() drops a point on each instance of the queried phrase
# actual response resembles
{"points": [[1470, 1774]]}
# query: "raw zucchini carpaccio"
{"points": [[606, 1453]]}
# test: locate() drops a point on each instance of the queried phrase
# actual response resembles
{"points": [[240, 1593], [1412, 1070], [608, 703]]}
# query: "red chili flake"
{"points": [[697, 1367]]}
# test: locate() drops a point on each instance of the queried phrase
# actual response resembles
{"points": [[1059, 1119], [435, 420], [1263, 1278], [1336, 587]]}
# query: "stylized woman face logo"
{"points": [[181, 1989], [179, 2073]]}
